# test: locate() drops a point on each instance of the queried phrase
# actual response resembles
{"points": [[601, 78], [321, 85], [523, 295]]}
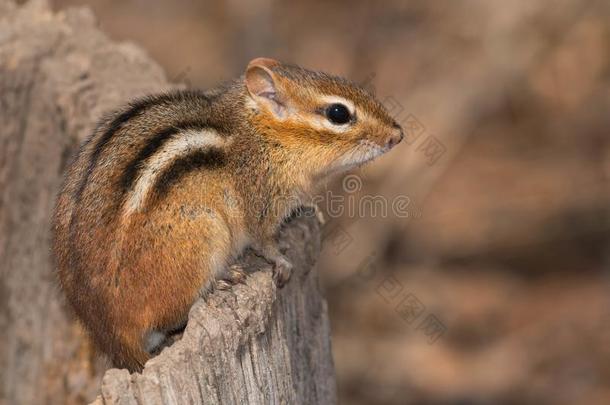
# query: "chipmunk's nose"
{"points": [[396, 136]]}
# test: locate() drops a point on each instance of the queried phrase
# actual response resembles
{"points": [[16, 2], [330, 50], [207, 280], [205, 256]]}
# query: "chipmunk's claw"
{"points": [[282, 270], [223, 285], [235, 275]]}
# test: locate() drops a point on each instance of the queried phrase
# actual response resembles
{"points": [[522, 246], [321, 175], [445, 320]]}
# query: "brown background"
{"points": [[507, 247]]}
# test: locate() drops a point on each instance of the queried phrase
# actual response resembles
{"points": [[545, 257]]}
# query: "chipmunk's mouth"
{"points": [[363, 153]]}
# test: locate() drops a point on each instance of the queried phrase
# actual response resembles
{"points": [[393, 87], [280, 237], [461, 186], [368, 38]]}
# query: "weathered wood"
{"points": [[253, 344], [250, 345]]}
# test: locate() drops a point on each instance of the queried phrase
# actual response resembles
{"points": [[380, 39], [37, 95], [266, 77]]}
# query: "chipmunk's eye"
{"points": [[338, 114]]}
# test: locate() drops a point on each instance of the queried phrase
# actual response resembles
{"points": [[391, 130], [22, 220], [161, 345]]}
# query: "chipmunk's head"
{"points": [[328, 122]]}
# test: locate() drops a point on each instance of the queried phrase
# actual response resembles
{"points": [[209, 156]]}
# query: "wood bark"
{"points": [[252, 344]]}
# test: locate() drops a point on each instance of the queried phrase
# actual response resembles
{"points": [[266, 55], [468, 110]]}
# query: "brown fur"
{"points": [[127, 275]]}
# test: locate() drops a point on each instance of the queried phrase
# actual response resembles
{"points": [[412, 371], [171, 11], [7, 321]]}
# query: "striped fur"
{"points": [[172, 187], [134, 109], [186, 148]]}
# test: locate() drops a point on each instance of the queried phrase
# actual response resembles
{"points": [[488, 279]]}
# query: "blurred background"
{"points": [[494, 289]]}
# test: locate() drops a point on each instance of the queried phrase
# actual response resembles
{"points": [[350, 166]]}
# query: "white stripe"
{"points": [[181, 144], [330, 99]]}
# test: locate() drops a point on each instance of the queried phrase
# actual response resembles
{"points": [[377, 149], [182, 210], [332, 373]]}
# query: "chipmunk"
{"points": [[170, 189]]}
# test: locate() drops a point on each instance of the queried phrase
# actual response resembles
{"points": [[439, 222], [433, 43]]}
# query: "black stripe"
{"points": [[210, 158], [135, 108], [155, 143]]}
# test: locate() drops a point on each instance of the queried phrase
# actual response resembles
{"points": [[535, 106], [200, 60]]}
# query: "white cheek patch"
{"points": [[321, 123], [326, 124]]}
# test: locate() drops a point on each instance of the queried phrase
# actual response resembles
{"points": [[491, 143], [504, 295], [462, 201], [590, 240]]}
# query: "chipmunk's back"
{"points": [[124, 226]]}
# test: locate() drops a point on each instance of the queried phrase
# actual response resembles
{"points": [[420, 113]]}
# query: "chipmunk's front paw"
{"points": [[282, 269], [235, 274]]}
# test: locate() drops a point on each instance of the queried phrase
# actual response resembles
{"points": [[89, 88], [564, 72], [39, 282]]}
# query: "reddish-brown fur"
{"points": [[126, 275]]}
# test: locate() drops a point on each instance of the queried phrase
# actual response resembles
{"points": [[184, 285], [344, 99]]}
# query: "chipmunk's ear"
{"points": [[262, 85]]}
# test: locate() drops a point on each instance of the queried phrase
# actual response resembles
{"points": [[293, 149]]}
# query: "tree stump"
{"points": [[251, 344]]}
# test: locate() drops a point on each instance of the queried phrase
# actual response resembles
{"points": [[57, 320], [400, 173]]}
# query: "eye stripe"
{"points": [[328, 99]]}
